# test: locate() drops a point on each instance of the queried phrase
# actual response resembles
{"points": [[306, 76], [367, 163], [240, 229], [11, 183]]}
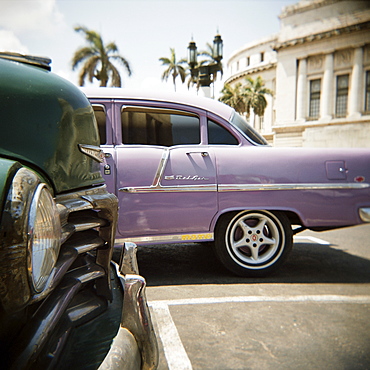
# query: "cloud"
{"points": [[31, 16], [10, 42]]}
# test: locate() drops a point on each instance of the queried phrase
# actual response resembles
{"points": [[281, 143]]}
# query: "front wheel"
{"points": [[253, 243]]}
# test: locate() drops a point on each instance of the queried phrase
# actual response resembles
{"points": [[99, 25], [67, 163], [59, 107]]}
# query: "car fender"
{"points": [[7, 170]]}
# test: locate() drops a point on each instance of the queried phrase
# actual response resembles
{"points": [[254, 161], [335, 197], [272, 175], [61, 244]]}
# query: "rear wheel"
{"points": [[253, 243]]}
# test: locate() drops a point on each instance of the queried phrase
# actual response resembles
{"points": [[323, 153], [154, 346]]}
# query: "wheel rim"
{"points": [[255, 239]]}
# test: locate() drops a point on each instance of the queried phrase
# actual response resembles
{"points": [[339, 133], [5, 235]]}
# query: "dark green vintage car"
{"points": [[64, 302]]}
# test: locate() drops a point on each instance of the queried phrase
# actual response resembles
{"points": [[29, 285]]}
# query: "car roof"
{"points": [[208, 104]]}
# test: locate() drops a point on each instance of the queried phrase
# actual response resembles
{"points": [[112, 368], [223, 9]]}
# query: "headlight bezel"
{"points": [[16, 280], [43, 237]]}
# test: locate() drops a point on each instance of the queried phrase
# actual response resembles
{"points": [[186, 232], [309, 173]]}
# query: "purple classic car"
{"points": [[190, 169]]}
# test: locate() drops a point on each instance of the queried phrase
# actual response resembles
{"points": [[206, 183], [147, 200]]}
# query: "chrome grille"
{"points": [[82, 272]]}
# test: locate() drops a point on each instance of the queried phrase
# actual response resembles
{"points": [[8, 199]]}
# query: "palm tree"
{"points": [[97, 59], [254, 93], [232, 96], [174, 68], [244, 98]]}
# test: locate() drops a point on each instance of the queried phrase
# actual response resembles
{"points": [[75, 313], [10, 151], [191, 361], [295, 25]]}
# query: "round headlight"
{"points": [[44, 232]]}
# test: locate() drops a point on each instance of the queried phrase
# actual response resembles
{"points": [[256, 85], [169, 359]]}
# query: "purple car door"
{"points": [[166, 178]]}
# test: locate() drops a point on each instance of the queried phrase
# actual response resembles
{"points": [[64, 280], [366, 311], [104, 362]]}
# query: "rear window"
{"points": [[152, 126], [218, 135], [241, 124]]}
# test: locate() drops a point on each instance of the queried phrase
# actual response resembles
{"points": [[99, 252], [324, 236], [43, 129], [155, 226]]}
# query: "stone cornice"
{"points": [[302, 7], [250, 71], [322, 35]]}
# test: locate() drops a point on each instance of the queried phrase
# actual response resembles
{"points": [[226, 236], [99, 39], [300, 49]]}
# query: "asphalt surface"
{"points": [[314, 313]]}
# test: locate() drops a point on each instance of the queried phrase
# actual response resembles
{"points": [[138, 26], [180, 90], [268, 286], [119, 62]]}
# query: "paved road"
{"points": [[314, 313]]}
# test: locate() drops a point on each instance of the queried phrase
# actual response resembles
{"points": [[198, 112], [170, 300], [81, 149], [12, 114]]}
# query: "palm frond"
{"points": [[124, 62], [96, 58], [88, 70], [80, 55], [116, 78], [111, 48]]}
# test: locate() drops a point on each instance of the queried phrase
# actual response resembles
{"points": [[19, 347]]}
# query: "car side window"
{"points": [[219, 135], [154, 126], [101, 119]]}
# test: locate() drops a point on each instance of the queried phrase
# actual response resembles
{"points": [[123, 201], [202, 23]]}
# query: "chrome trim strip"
{"points": [[168, 238], [161, 167], [263, 187], [156, 186], [236, 187], [169, 189]]}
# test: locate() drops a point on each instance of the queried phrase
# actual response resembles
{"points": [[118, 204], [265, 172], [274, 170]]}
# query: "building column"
{"points": [[328, 90], [354, 101], [302, 91]]}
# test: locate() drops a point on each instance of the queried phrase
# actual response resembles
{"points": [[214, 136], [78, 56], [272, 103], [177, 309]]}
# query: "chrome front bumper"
{"points": [[135, 345], [365, 214]]}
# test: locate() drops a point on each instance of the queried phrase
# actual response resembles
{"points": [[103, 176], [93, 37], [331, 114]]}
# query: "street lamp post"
{"points": [[205, 74]]}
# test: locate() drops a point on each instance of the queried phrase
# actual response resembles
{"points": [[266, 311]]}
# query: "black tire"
{"points": [[253, 243]]}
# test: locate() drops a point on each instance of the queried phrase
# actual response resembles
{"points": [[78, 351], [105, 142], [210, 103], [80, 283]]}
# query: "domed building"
{"points": [[318, 65]]}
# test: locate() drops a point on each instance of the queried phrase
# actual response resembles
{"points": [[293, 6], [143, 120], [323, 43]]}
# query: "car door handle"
{"points": [[203, 154]]}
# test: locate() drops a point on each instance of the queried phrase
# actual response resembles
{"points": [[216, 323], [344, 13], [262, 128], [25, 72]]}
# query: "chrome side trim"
{"points": [[365, 214], [262, 187], [156, 186], [161, 167], [169, 189], [208, 236], [248, 187]]}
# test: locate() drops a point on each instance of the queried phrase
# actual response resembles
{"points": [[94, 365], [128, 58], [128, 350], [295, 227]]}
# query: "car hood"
{"points": [[43, 120]]}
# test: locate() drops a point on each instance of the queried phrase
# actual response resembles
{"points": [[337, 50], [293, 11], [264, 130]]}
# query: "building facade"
{"points": [[318, 65]]}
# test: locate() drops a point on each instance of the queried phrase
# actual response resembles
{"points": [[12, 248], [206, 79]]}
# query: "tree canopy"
{"points": [[97, 60], [174, 68], [247, 97], [232, 96]]}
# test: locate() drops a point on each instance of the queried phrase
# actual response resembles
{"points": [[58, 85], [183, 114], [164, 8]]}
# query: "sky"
{"points": [[144, 31]]}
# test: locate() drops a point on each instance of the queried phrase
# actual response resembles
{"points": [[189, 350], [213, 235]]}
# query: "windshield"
{"points": [[240, 123]]}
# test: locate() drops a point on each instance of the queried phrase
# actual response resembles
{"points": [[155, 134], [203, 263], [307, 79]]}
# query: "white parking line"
{"points": [[174, 351], [313, 239], [357, 299]]}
